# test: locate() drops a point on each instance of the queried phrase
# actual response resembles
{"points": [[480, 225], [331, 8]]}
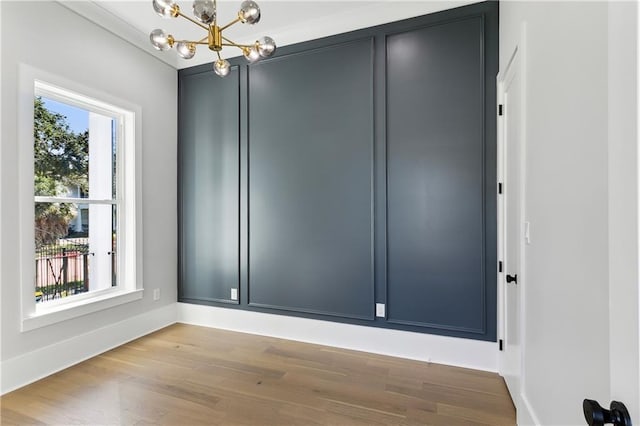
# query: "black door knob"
{"points": [[595, 415], [512, 278]]}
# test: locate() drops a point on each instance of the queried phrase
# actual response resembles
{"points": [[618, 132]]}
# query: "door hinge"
{"points": [[500, 344], [500, 110], [499, 187], [500, 266]]}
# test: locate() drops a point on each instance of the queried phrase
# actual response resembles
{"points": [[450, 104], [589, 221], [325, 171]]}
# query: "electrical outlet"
{"points": [[234, 294], [156, 294], [380, 310]]}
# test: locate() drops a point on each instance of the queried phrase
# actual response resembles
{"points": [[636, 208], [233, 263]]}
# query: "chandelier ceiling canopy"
{"points": [[205, 12]]}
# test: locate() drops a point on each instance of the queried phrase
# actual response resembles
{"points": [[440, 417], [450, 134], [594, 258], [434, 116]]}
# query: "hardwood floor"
{"points": [[188, 375]]}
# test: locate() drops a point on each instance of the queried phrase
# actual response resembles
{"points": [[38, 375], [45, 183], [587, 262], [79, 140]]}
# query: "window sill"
{"points": [[50, 315]]}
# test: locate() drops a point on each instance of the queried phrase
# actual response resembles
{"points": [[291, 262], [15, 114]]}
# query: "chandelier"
{"points": [[205, 12]]}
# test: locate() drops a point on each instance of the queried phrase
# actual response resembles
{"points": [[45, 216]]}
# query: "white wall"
{"points": [[50, 37], [566, 342], [624, 291]]}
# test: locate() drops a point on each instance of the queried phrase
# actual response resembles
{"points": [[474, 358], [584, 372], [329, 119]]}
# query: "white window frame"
{"points": [[35, 82]]}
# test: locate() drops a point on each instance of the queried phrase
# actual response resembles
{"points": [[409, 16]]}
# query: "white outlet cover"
{"points": [[156, 294], [380, 310], [234, 294]]}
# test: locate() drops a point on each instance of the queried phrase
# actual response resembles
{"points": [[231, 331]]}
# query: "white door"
{"points": [[511, 278]]}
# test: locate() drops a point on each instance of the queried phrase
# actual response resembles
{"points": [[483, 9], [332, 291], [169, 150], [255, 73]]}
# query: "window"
{"points": [[76, 196], [85, 230]]}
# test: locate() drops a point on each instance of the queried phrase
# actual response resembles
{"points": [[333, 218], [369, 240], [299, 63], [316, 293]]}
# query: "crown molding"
{"points": [[366, 14], [93, 12]]}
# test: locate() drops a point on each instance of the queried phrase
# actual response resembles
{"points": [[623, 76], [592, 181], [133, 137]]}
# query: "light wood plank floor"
{"points": [[188, 375]]}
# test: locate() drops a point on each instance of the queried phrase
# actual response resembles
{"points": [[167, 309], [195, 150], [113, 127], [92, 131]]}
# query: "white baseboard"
{"points": [[35, 365], [525, 413], [30, 367], [418, 346]]}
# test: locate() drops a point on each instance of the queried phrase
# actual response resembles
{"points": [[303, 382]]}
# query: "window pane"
{"points": [[114, 152], [102, 143], [114, 245], [62, 254], [75, 151], [75, 248], [102, 234], [61, 149]]}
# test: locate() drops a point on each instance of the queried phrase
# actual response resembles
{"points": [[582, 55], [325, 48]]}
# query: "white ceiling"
{"points": [[287, 22]]}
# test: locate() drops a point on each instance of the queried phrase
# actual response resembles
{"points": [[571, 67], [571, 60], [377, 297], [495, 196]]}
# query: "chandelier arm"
{"points": [[191, 42], [201, 25], [203, 41], [239, 46], [234, 44], [235, 21]]}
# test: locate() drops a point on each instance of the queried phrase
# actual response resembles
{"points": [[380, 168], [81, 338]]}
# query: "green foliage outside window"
{"points": [[61, 162]]}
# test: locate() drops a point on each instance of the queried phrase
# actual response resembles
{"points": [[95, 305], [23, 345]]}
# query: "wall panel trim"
{"points": [[311, 311], [371, 104], [484, 323]]}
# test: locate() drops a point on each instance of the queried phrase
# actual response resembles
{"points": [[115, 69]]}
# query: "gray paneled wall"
{"points": [[209, 184], [435, 143], [348, 171], [310, 181]]}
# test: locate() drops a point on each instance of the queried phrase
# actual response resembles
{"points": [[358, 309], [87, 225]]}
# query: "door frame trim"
{"points": [[524, 410], [501, 161]]}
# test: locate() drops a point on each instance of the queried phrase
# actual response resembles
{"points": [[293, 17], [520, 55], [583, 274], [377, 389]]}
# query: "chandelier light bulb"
{"points": [[266, 46], [164, 8], [186, 50], [251, 54], [161, 40], [204, 11], [249, 12], [222, 67]]}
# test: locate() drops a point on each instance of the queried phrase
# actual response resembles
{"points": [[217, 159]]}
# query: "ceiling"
{"points": [[287, 22]]}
